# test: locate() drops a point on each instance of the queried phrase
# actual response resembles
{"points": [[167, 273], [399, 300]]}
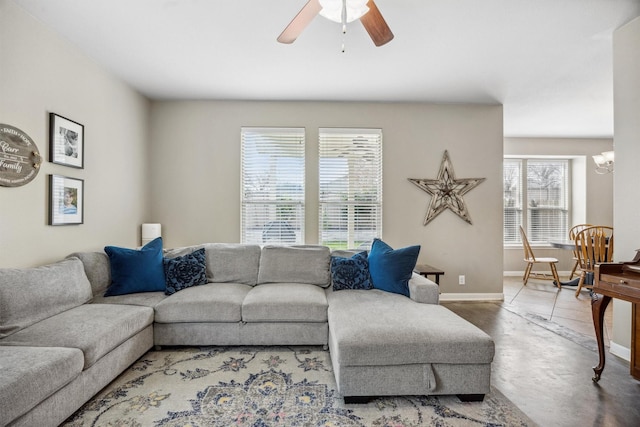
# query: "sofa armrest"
{"points": [[423, 290]]}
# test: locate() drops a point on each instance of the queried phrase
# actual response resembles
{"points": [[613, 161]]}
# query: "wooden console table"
{"points": [[622, 281], [426, 269]]}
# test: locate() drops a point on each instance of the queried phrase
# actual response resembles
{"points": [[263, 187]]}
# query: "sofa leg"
{"points": [[471, 397], [325, 347], [358, 400], [158, 347]]}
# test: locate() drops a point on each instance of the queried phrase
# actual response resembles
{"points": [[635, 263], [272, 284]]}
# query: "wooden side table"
{"points": [[426, 269]]}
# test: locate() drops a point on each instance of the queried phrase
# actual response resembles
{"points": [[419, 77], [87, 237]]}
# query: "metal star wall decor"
{"points": [[447, 191]]}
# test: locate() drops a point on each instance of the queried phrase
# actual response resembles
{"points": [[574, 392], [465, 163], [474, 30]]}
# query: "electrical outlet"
{"points": [[461, 279]]}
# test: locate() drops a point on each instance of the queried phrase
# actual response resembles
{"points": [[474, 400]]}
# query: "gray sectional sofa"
{"points": [[62, 340]]}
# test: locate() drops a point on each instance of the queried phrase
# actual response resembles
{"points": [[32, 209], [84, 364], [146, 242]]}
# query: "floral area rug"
{"points": [[266, 386]]}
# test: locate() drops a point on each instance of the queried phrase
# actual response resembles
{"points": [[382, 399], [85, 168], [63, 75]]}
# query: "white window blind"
{"points": [[539, 187], [350, 178], [512, 173], [547, 200], [273, 161]]}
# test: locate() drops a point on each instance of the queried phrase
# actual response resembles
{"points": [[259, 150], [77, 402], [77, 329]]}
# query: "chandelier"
{"points": [[604, 162]]}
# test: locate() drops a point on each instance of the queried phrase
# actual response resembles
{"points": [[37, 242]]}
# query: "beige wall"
{"points": [[41, 73], [178, 162], [195, 171], [595, 208], [626, 84]]}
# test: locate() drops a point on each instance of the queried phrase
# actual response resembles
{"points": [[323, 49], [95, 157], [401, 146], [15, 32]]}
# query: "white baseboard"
{"points": [[487, 297], [513, 273], [620, 351]]}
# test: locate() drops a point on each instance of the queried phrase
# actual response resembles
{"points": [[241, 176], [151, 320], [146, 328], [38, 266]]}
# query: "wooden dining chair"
{"points": [[572, 236], [594, 245], [531, 260]]}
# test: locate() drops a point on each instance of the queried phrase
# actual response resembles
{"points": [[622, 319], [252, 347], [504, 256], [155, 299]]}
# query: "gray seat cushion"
{"points": [[28, 375], [96, 329], [29, 295], [285, 302], [213, 302], [373, 328]]}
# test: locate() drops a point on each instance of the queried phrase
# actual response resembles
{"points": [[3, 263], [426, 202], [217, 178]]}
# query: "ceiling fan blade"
{"points": [[302, 19], [376, 26]]}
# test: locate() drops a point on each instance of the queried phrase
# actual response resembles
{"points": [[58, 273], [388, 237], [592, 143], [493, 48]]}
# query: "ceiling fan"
{"points": [[342, 11]]}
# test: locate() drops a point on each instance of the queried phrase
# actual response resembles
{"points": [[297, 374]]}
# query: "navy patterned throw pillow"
{"points": [[350, 273], [185, 271]]}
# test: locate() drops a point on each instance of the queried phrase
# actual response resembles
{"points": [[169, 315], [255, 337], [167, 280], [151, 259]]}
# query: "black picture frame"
{"points": [[66, 141], [66, 200]]}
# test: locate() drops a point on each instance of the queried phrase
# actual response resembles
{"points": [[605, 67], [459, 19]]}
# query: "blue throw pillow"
{"points": [[185, 271], [350, 273], [135, 270], [390, 268]]}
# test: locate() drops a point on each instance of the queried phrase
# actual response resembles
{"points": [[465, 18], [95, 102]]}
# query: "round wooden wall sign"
{"points": [[19, 157]]}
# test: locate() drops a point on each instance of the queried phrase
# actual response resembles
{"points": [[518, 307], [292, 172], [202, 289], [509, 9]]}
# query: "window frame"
{"points": [[363, 206], [278, 204], [525, 209]]}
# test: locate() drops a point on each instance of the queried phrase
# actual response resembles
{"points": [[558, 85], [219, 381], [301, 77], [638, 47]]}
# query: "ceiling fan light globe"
{"points": [[332, 9]]}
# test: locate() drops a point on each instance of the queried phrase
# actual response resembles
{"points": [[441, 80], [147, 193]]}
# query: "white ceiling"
{"points": [[549, 62]]}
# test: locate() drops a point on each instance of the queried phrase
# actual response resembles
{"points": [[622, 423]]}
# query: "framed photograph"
{"points": [[66, 141], [66, 200]]}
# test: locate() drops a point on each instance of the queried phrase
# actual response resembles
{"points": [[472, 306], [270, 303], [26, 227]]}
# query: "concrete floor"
{"points": [[562, 306], [545, 351]]}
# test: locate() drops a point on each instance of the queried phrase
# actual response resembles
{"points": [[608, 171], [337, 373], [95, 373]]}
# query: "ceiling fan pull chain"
{"points": [[344, 22], [344, 35]]}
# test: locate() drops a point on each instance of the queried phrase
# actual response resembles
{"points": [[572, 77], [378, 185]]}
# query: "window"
{"points": [[272, 185], [350, 187], [545, 214]]}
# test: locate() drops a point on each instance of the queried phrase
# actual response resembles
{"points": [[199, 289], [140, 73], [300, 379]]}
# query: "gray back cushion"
{"points": [[232, 263], [182, 251], [295, 264], [97, 269], [29, 295], [346, 253]]}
